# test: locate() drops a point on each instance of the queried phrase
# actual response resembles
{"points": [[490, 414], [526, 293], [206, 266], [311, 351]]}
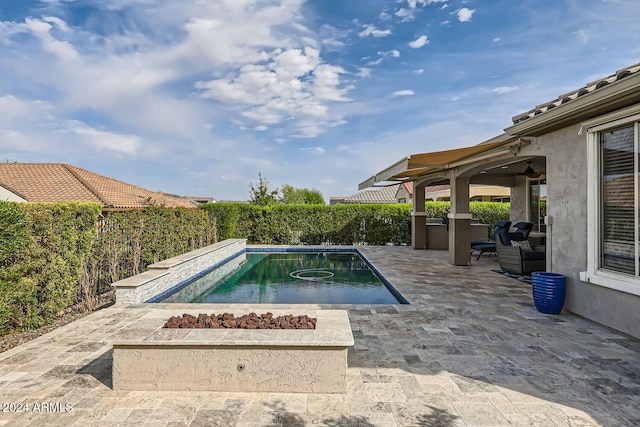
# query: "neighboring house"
{"points": [[374, 195], [403, 193], [58, 182], [7, 195], [477, 192], [193, 199], [578, 153]]}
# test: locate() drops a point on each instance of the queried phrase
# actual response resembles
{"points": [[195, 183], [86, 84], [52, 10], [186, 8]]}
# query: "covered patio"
{"points": [[470, 349], [502, 161]]}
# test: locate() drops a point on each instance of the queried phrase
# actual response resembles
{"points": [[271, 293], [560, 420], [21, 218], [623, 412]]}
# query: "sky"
{"points": [[199, 97]]}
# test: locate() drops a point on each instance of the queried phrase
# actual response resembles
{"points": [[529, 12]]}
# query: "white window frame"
{"points": [[593, 274]]}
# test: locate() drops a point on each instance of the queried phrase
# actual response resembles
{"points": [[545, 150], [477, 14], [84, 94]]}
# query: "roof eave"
{"points": [[613, 96]]}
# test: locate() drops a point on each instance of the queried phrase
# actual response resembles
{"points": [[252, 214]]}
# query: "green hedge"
{"points": [[43, 274], [55, 255], [375, 224], [127, 242], [313, 224]]}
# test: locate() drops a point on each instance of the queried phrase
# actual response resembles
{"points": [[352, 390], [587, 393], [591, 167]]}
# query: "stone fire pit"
{"points": [[152, 357]]}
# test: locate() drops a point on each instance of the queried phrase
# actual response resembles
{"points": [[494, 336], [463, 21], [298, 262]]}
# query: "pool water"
{"points": [[292, 278]]}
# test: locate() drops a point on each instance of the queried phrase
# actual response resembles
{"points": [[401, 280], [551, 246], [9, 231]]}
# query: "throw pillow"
{"points": [[522, 244]]}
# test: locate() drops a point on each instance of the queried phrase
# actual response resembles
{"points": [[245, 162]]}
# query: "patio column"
{"points": [[418, 218], [460, 223]]}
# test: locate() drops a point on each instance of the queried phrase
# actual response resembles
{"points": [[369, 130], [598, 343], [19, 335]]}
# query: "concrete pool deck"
{"points": [[470, 350]]}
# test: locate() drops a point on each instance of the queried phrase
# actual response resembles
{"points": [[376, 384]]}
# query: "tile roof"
{"points": [[570, 96], [428, 189], [374, 195], [57, 182]]}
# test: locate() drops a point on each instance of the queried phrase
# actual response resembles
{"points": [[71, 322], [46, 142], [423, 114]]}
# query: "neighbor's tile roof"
{"points": [[387, 194], [428, 189], [570, 96], [374, 195], [57, 182]]}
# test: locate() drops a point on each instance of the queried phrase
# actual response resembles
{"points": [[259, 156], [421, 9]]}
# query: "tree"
{"points": [[261, 194], [300, 196]]}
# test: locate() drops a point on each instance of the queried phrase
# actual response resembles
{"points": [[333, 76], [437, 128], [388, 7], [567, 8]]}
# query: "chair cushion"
{"points": [[522, 244], [506, 238], [532, 256], [524, 228]]}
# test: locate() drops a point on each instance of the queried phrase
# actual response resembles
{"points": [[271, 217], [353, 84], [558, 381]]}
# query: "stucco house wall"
{"points": [[566, 160], [403, 196], [8, 196]]}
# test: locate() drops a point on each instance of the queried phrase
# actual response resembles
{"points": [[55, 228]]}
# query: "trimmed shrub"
{"points": [[45, 271], [55, 255], [348, 224], [12, 230], [127, 242], [314, 224], [490, 212]]}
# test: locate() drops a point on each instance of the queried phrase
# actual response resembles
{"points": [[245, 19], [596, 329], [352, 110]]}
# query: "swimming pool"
{"points": [[289, 277]]}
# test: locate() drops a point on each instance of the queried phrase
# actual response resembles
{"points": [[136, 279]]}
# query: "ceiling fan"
{"points": [[529, 172]]}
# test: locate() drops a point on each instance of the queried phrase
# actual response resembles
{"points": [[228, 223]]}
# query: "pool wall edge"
{"points": [[169, 273]]}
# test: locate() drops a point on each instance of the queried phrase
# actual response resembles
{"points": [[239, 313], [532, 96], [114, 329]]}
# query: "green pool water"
{"points": [[292, 278]]}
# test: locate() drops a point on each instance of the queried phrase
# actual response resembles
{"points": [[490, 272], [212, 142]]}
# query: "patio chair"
{"points": [[524, 228], [516, 256], [490, 245]]}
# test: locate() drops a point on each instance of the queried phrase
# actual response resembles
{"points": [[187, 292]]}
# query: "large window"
{"points": [[619, 196], [613, 219]]}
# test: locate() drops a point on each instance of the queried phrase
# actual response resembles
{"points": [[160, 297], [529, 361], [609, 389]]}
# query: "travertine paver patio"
{"points": [[471, 350]]}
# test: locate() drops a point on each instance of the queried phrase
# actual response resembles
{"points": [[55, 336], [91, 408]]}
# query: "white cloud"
{"points": [[382, 55], [261, 128], [419, 71], [251, 49], [42, 30], [497, 39], [364, 72], [446, 22], [292, 83], [405, 14], [316, 150], [582, 36], [465, 14], [370, 30], [103, 140], [504, 89], [419, 42], [406, 92], [414, 3]]}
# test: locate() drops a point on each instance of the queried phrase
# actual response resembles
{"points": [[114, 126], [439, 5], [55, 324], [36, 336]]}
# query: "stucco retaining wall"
{"points": [[168, 273]]}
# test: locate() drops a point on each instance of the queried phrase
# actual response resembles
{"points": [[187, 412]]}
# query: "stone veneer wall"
{"points": [[168, 273]]}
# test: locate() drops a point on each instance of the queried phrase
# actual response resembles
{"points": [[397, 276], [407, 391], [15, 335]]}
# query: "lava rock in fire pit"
{"points": [[248, 321]]}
